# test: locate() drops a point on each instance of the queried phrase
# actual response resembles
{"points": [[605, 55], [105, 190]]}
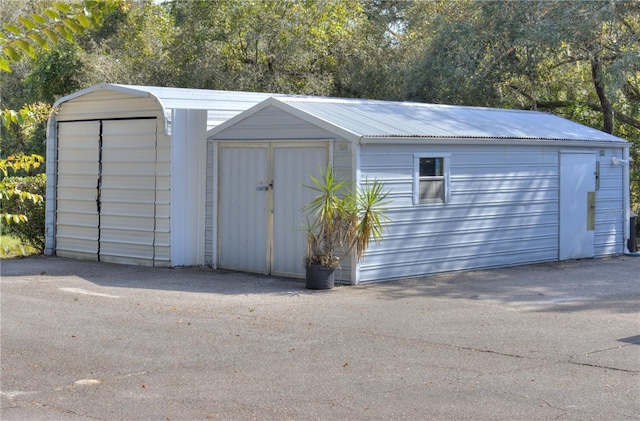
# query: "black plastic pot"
{"points": [[319, 277]]}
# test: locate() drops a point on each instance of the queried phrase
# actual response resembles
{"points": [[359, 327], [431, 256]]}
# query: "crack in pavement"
{"points": [[608, 349], [606, 367], [64, 410]]}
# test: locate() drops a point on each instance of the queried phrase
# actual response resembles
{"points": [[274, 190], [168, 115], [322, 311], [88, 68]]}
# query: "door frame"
{"points": [[564, 196], [271, 145]]}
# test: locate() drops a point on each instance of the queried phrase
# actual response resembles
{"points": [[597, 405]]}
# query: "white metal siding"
{"points": [[272, 123], [609, 232], [188, 179], [292, 167], [210, 210], [503, 210], [77, 190], [104, 104], [162, 248], [243, 208], [128, 192]]}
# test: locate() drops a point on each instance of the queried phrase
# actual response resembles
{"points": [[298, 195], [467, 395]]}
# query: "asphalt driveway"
{"points": [[97, 341]]}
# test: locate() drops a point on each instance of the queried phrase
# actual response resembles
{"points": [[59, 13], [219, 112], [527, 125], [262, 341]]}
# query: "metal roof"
{"points": [[179, 98], [363, 118], [370, 119], [221, 105]]}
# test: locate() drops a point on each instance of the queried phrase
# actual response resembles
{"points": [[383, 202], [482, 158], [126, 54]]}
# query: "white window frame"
{"points": [[446, 158]]}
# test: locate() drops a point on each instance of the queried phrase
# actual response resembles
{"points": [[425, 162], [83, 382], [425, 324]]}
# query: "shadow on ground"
{"points": [[608, 284], [186, 279]]}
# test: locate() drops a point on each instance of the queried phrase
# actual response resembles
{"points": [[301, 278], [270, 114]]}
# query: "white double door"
{"points": [[106, 203], [260, 197]]}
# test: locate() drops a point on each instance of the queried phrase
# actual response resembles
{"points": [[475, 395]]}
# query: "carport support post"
{"points": [[50, 201], [188, 181]]}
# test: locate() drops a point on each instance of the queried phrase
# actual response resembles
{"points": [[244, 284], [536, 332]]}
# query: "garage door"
{"points": [[260, 197], [107, 190], [77, 190]]}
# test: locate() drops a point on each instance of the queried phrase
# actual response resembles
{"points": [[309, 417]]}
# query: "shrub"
{"points": [[30, 232]]}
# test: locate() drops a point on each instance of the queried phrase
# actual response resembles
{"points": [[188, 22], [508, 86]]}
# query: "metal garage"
{"points": [[470, 187], [127, 171]]}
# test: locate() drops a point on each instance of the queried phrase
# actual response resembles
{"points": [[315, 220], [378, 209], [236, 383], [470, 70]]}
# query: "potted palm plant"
{"points": [[340, 222]]}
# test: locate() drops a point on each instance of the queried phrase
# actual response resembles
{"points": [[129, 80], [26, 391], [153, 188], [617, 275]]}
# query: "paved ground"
{"points": [[95, 341]]}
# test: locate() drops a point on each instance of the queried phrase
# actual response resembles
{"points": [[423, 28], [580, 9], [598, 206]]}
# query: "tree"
{"points": [[8, 191], [26, 36], [577, 59], [535, 54], [274, 46], [61, 21]]}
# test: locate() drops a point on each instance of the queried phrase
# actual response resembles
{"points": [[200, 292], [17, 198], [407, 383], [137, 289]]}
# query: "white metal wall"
{"points": [[211, 194], [610, 206], [503, 210], [188, 194]]}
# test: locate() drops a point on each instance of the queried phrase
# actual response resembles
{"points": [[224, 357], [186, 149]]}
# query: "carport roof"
{"points": [[220, 105], [356, 119], [177, 98]]}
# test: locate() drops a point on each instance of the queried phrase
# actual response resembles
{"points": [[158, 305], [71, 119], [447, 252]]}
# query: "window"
{"points": [[431, 179]]}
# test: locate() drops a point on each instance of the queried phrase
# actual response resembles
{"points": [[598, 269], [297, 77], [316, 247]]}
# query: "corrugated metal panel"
{"points": [[393, 119], [273, 123], [210, 211], [188, 194], [77, 190], [127, 213], [243, 209], [163, 197], [609, 232], [499, 213], [292, 167]]}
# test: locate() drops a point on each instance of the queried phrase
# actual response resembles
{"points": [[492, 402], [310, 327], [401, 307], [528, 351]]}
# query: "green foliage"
{"points": [[274, 46], [62, 21], [577, 59], [22, 204], [53, 31], [14, 164], [25, 131], [55, 73], [23, 208], [340, 220]]}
